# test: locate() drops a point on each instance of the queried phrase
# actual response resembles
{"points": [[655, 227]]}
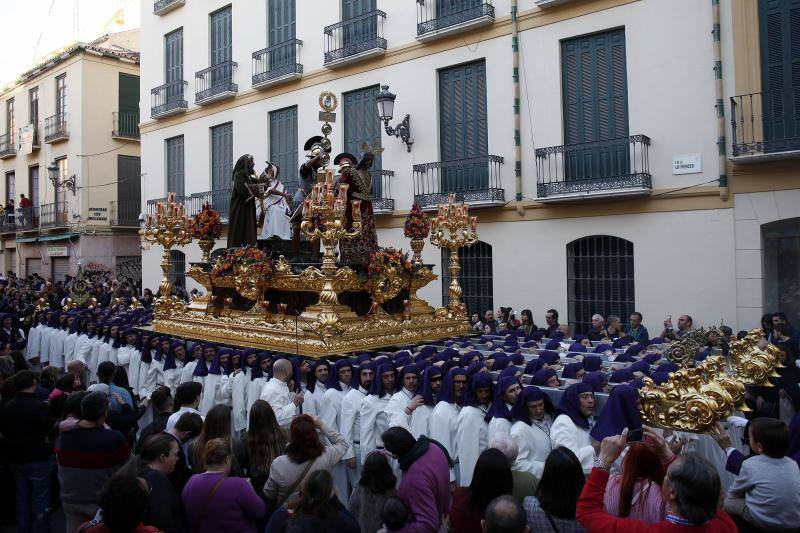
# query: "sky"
{"points": [[31, 29]]}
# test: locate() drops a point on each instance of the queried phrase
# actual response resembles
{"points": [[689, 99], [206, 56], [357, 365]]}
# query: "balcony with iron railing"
{"points": [[125, 125], [124, 212], [382, 201], [220, 200], [277, 64], [7, 148], [765, 126], [599, 169], [24, 219], [54, 215], [55, 128], [436, 18], [162, 7], [215, 83], [475, 180], [168, 99], [355, 39]]}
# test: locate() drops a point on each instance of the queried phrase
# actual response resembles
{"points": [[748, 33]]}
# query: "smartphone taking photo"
{"points": [[634, 435]]}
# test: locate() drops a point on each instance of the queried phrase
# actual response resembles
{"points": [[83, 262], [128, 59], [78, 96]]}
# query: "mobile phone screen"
{"points": [[635, 435]]}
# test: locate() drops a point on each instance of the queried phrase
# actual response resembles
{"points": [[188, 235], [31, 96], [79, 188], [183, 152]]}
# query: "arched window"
{"points": [[177, 269], [781, 245], [599, 280], [475, 277]]}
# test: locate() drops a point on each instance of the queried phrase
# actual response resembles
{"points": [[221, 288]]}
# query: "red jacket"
{"points": [[591, 515]]}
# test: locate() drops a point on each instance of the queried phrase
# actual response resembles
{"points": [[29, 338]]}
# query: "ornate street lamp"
{"points": [[53, 172], [385, 103]]}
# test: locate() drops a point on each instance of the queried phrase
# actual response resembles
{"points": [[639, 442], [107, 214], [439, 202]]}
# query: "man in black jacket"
{"points": [[26, 422]]}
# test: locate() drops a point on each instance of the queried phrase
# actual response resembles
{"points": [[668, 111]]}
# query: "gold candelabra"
{"points": [[168, 228], [324, 218], [462, 230]]}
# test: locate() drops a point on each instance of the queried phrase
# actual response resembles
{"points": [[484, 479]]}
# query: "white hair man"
{"points": [[525, 483], [597, 333]]}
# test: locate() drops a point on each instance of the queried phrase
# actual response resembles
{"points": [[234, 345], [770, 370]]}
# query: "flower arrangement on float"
{"points": [[385, 259], [251, 258], [417, 225], [206, 226]]}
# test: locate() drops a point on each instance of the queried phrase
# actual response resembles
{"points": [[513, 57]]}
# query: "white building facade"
{"points": [[616, 202]]}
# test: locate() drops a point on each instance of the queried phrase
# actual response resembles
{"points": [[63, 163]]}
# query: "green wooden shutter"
{"points": [[175, 165], [128, 119], [780, 73], [283, 145], [449, 7], [363, 125], [222, 157], [221, 36], [594, 85], [362, 30], [281, 28], [173, 65], [129, 187], [463, 130]]}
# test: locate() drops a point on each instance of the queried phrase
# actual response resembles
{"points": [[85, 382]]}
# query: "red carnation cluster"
{"points": [[206, 224], [252, 257], [417, 225], [385, 258]]}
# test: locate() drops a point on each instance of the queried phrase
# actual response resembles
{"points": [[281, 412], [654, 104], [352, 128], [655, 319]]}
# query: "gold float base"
{"points": [[312, 338]]}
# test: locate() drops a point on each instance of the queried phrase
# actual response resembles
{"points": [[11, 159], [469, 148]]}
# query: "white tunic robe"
{"points": [[350, 423], [187, 373], [69, 347], [254, 389], [172, 377], [57, 348], [472, 438], [534, 445], [134, 368], [396, 409], [124, 359], [32, 349], [277, 212], [374, 421], [565, 433], [214, 388], [277, 394], [240, 383], [46, 337]]}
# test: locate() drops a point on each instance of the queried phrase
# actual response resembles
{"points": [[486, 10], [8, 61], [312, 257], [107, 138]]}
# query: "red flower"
{"points": [[417, 225]]}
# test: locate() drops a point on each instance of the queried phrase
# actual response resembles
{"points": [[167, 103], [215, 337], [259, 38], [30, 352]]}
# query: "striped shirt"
{"points": [[647, 502]]}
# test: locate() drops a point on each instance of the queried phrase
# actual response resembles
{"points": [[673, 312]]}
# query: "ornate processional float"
{"points": [[251, 300]]}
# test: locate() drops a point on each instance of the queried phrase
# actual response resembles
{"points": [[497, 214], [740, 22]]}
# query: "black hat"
{"points": [[316, 139], [344, 155]]}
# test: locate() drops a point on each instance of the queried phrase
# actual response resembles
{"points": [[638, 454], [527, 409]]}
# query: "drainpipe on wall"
{"points": [[715, 32], [515, 78]]}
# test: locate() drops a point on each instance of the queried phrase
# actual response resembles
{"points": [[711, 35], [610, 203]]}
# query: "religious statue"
{"points": [[242, 216], [318, 154], [273, 209], [359, 180]]}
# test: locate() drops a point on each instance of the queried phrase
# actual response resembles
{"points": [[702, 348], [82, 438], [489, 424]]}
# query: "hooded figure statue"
{"points": [[242, 215]]}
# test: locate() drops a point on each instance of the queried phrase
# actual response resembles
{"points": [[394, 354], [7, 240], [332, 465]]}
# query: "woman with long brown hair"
{"points": [[217, 425], [636, 493], [260, 445]]}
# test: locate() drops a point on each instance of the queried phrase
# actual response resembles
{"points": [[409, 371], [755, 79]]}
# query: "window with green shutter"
{"points": [[281, 28], [283, 145], [129, 187], [779, 25], [463, 126], [173, 149], [362, 125], [128, 124], [361, 30], [221, 167], [595, 96]]}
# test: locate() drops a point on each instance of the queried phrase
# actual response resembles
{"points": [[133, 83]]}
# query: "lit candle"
{"points": [[160, 208], [329, 177], [307, 207], [282, 309], [342, 190], [356, 209], [325, 190], [158, 218], [315, 193], [149, 220], [170, 197]]}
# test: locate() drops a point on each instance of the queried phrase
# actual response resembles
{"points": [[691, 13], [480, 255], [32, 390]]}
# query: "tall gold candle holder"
{"points": [[453, 228], [324, 218], [168, 228]]}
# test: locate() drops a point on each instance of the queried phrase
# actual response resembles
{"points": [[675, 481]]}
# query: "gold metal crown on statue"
{"points": [[754, 360], [693, 399]]}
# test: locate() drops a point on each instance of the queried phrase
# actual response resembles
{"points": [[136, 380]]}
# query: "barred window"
{"points": [[475, 277]]}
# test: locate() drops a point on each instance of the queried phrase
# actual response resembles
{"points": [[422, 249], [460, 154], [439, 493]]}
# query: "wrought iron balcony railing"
{"points": [[168, 99], [24, 219], [220, 200], [355, 39], [125, 124], [475, 180], [382, 201], [277, 63], [7, 148], [215, 83], [765, 123], [162, 7], [54, 215], [616, 167], [124, 212], [55, 128], [436, 18]]}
